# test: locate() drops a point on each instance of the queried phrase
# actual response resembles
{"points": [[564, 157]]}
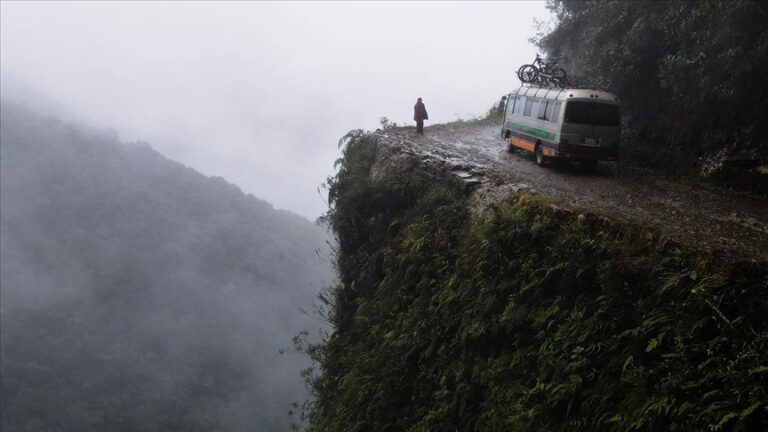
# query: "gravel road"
{"points": [[694, 215]]}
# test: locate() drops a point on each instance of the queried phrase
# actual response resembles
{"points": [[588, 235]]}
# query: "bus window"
{"points": [[550, 107], [542, 113], [528, 107], [535, 109], [510, 106], [556, 113], [592, 113], [521, 101]]}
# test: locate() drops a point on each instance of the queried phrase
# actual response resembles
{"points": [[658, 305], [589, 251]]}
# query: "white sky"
{"points": [[260, 93]]}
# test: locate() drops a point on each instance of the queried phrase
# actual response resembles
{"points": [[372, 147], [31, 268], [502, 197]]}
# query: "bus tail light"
{"points": [[564, 146]]}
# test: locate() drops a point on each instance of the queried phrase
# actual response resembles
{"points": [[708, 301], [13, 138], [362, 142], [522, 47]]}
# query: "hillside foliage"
{"points": [[533, 318], [691, 75]]}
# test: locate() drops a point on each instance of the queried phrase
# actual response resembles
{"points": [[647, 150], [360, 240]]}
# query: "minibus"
{"points": [[574, 124]]}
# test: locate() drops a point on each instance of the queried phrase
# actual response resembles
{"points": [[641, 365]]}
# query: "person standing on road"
{"points": [[420, 114]]}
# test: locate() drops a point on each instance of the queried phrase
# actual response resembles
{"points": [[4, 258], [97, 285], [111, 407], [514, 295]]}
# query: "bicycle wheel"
{"points": [[527, 73], [559, 77]]}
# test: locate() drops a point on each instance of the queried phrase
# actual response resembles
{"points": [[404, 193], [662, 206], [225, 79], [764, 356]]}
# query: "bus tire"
{"points": [[538, 153], [589, 166]]}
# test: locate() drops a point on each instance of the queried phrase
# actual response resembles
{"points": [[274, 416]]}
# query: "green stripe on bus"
{"points": [[541, 133]]}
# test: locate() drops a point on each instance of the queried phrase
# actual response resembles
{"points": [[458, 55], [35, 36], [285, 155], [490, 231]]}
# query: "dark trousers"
{"points": [[420, 127]]}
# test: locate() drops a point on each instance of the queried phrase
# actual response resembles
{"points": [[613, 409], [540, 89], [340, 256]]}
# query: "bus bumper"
{"points": [[578, 153]]}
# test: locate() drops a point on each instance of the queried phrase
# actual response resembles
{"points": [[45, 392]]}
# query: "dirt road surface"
{"points": [[705, 218]]}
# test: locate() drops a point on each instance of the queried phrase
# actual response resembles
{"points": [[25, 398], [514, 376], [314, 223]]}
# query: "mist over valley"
{"points": [[138, 294]]}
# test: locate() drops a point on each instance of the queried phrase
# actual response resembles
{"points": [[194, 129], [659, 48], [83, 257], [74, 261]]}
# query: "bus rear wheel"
{"points": [[539, 154], [589, 166]]}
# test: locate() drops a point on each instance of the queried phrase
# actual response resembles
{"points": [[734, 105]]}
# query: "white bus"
{"points": [[572, 124]]}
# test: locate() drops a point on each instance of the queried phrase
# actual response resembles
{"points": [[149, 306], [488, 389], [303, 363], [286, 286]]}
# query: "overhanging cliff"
{"points": [[461, 309]]}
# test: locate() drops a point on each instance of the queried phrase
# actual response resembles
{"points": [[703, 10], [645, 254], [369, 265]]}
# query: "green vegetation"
{"points": [[535, 318], [691, 76]]}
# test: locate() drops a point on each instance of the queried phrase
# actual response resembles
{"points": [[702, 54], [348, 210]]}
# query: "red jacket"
{"points": [[420, 112]]}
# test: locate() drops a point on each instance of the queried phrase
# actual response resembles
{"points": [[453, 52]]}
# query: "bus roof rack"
{"points": [[590, 83], [536, 90], [585, 83]]}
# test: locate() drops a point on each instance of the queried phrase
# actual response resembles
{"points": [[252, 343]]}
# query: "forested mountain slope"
{"points": [[140, 295], [691, 76]]}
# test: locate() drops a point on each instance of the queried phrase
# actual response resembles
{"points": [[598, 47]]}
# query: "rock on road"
{"points": [[689, 214]]}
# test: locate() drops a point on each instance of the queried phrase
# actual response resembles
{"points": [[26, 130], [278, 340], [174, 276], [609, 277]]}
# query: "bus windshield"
{"points": [[592, 113]]}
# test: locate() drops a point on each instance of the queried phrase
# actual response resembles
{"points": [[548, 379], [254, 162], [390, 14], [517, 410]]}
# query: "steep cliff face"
{"points": [[525, 314]]}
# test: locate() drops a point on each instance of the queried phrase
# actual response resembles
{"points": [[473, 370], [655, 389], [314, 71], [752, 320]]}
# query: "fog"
{"points": [[137, 294], [260, 93]]}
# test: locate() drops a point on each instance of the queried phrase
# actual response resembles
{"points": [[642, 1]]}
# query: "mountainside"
{"points": [[460, 307], [690, 76], [138, 294]]}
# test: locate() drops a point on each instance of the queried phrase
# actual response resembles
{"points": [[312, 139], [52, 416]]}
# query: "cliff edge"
{"points": [[460, 307]]}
